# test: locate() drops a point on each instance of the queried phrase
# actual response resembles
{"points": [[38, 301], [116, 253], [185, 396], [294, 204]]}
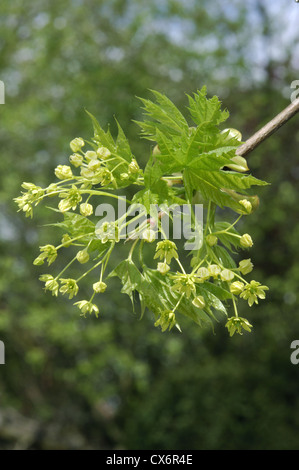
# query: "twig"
{"points": [[272, 126]]}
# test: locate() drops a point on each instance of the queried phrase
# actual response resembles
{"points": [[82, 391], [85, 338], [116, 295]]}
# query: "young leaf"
{"points": [[164, 116], [130, 277]]}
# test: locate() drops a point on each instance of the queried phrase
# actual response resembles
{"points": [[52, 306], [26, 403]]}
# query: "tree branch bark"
{"points": [[271, 127]]}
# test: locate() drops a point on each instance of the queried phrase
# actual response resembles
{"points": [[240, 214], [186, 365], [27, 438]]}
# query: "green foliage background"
{"points": [[117, 382]]}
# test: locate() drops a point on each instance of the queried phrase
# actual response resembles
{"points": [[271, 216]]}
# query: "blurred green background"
{"points": [[117, 382]]}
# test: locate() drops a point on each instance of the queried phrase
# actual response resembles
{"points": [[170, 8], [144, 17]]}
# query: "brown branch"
{"points": [[272, 126]]}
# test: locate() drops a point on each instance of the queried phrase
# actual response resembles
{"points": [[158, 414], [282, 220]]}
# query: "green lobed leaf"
{"points": [[164, 115], [130, 276], [206, 110]]}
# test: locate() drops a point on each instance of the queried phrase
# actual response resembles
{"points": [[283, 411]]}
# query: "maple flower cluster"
{"points": [[187, 284], [185, 163]]}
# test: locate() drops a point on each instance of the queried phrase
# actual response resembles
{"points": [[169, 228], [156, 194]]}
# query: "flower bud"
{"points": [[94, 165], [40, 260], [66, 240], [103, 152], [199, 302], [65, 205], [82, 256], [233, 133], [28, 209], [133, 167], [192, 130], [238, 164], [28, 186], [236, 287], [76, 159], [211, 240], [86, 173], [214, 270], [90, 155], [245, 266], [99, 287], [227, 275], [247, 205], [149, 235], [86, 209], [63, 172], [76, 144], [171, 316], [203, 273], [163, 268], [156, 150], [246, 241]]}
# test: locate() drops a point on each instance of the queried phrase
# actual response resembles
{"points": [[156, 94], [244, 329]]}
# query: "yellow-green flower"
{"points": [[184, 283], [48, 252], [50, 283], [104, 176], [236, 324], [166, 320], [70, 199], [69, 287], [87, 307], [107, 231], [166, 250], [253, 291]]}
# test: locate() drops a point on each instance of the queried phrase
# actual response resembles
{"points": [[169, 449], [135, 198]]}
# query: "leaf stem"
{"points": [[132, 249], [65, 268]]}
